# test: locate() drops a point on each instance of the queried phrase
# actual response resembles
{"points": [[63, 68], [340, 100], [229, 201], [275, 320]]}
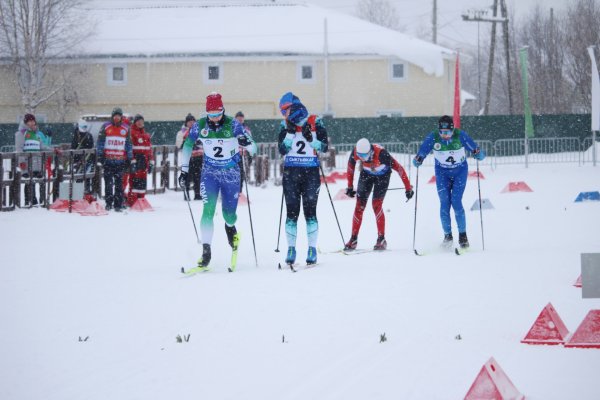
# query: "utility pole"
{"points": [[481, 16], [504, 14], [434, 22]]}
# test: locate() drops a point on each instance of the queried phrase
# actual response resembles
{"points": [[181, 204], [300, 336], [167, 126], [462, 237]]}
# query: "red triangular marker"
{"points": [[493, 384], [473, 174], [341, 195], [548, 328], [141, 204], [432, 179], [588, 333], [516, 187], [578, 282]]}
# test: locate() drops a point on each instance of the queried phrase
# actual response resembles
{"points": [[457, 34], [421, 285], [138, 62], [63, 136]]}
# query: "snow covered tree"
{"points": [[380, 12], [33, 33]]}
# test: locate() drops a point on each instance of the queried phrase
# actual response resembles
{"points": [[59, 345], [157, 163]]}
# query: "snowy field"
{"points": [[262, 333]]}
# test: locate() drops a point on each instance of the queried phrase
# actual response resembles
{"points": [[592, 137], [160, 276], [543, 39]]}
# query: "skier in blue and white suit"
{"points": [[301, 138], [451, 172]]}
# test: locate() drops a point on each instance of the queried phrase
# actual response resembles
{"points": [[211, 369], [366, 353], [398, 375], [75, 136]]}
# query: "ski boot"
{"points": [[206, 256], [352, 243], [232, 235], [290, 259], [311, 256], [381, 243], [108, 207], [448, 240], [463, 242]]}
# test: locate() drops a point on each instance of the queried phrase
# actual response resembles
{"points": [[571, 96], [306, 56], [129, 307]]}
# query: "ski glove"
{"points": [[478, 154], [417, 161], [183, 178], [243, 140], [350, 192], [409, 194], [306, 132], [287, 142]]}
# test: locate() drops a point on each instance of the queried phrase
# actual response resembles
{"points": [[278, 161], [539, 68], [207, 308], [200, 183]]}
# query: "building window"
{"points": [[306, 72], [397, 71], [213, 73], [117, 75]]}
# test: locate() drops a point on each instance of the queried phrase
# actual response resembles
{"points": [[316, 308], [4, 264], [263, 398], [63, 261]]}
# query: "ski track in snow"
{"points": [[117, 280]]}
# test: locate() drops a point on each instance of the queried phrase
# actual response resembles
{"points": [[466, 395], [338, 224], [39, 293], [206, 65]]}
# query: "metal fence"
{"points": [[267, 164], [499, 152], [587, 151]]}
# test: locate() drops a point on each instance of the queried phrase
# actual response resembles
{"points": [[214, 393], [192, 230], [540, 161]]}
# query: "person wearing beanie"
{"points": [[195, 170], [301, 138], [246, 157], [221, 137], [31, 140], [83, 140], [377, 166], [114, 152], [143, 160], [450, 146]]}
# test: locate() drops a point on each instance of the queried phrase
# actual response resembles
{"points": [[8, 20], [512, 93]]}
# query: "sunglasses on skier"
{"points": [[363, 156], [215, 115], [284, 109], [446, 132]]}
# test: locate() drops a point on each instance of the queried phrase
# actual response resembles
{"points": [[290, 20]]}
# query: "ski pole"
{"points": [[415, 223], [480, 208], [398, 188], [187, 198], [331, 201], [249, 211], [280, 216]]}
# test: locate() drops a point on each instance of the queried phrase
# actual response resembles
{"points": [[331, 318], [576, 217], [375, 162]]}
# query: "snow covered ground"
{"points": [[261, 333]]}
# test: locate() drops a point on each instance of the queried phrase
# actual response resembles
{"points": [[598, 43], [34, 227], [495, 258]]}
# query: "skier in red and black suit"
{"points": [[144, 160], [377, 166]]}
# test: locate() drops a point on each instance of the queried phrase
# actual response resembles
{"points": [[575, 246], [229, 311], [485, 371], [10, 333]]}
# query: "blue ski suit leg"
{"points": [[451, 183]]}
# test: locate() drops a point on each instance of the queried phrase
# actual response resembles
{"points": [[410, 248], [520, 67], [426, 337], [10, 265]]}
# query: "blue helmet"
{"points": [[298, 113]]}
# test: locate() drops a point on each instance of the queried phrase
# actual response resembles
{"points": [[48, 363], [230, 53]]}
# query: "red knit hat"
{"points": [[214, 102]]}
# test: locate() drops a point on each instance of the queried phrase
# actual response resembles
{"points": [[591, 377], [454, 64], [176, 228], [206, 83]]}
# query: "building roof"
{"points": [[183, 28]]}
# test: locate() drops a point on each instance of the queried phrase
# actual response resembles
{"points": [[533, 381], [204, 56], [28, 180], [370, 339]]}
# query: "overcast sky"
{"points": [[415, 15]]}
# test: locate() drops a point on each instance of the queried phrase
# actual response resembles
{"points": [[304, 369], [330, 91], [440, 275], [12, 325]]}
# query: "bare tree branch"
{"points": [[35, 33]]}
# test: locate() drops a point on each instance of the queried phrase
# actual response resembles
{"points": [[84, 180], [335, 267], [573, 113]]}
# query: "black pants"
{"points": [[30, 197], [301, 184], [113, 181], [376, 183], [195, 174]]}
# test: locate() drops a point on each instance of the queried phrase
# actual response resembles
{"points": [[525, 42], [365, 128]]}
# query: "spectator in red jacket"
{"points": [[144, 160]]}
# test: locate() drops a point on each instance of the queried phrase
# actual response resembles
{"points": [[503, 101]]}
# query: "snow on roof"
{"points": [[183, 28], [466, 96]]}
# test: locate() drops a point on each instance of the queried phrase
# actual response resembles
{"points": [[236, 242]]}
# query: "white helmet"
{"points": [[83, 125], [363, 146]]}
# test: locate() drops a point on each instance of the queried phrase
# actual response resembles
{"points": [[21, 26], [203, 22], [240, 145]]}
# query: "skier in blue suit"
{"points": [[450, 148]]}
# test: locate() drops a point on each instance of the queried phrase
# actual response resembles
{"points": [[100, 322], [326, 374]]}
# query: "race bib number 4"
{"points": [[450, 158]]}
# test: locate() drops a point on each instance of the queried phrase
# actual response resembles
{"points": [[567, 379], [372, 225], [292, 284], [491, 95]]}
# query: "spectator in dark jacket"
{"points": [[83, 139]]}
